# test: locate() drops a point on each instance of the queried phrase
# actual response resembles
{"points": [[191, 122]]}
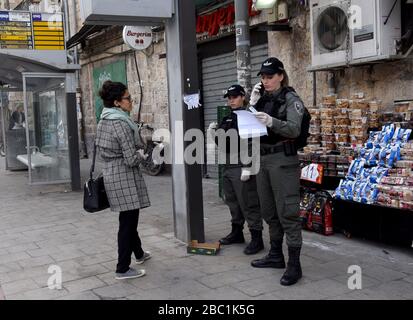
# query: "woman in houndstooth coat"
{"points": [[117, 143]]}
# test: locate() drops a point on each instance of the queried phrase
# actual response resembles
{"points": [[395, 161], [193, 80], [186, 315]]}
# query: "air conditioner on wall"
{"points": [[329, 31], [375, 27]]}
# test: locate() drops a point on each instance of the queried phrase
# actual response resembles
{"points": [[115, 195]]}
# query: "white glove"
{"points": [[245, 174], [255, 94], [142, 154], [213, 126], [264, 118]]}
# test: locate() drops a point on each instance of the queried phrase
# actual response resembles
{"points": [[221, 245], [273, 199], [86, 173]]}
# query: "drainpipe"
{"points": [[331, 83]]}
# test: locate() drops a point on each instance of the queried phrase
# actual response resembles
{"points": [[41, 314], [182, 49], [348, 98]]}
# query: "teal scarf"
{"points": [[119, 114]]}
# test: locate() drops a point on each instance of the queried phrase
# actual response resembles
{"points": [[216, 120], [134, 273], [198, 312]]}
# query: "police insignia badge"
{"points": [[299, 107]]}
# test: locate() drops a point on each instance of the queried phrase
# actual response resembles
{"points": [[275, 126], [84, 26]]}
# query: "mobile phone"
{"points": [[262, 90], [252, 109]]}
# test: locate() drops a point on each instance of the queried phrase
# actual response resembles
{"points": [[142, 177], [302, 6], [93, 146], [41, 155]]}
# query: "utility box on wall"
{"points": [[126, 12]]}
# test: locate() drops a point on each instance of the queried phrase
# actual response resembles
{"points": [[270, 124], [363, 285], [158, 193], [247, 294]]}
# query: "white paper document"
{"points": [[249, 126]]}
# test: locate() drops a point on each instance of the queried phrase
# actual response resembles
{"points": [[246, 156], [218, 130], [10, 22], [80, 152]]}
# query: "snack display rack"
{"points": [[367, 156]]}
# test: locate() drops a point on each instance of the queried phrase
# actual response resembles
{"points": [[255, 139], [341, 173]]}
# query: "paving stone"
{"points": [[409, 279], [13, 257], [367, 294], [259, 286], [44, 294], [36, 262], [87, 295], [67, 255], [396, 288], [11, 288], [84, 284], [221, 279], [95, 259], [23, 247], [175, 291], [299, 291], [381, 273], [118, 290], [222, 293]]}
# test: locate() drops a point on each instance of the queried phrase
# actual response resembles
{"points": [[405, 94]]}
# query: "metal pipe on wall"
{"points": [[331, 83], [314, 89]]}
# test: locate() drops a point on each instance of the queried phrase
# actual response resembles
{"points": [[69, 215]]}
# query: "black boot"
{"points": [[256, 244], [293, 272], [274, 259], [236, 236]]}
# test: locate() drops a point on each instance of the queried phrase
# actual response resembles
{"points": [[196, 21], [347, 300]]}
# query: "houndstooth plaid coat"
{"points": [[124, 183]]}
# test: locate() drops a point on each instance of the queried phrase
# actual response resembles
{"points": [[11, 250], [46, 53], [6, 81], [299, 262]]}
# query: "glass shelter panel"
{"points": [[46, 130]]}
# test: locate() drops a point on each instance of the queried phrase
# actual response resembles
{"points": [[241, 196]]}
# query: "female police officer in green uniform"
{"points": [[278, 180], [239, 186]]}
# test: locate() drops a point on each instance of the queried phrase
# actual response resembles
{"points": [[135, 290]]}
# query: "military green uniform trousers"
{"points": [[278, 185], [242, 198]]}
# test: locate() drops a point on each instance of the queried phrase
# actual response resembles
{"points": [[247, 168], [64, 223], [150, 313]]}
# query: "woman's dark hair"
{"points": [[111, 92], [286, 80]]}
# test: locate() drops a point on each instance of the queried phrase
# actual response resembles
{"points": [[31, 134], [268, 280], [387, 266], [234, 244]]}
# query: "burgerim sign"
{"points": [[137, 37]]}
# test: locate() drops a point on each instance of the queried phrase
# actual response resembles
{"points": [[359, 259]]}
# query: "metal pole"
{"points": [[243, 44], [314, 89], [183, 80]]}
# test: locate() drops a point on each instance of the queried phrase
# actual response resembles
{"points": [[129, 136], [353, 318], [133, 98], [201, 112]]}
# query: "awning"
{"points": [[85, 32]]}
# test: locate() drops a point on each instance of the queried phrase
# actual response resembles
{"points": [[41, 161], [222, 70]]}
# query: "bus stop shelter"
{"points": [[47, 144]]}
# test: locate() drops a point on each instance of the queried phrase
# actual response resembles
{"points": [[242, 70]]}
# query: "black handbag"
{"points": [[94, 193]]}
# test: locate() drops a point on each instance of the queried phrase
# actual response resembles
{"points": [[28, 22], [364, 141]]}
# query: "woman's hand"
{"points": [[142, 154], [245, 174], [255, 94], [264, 118], [213, 126]]}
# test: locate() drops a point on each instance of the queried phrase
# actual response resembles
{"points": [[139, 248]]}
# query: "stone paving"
{"points": [[46, 226]]}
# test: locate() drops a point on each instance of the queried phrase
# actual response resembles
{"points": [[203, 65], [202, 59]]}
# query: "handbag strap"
{"points": [[92, 168]]}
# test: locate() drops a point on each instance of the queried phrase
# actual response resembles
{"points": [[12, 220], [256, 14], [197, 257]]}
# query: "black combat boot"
{"points": [[274, 259], [236, 236], [293, 272], [256, 244]]}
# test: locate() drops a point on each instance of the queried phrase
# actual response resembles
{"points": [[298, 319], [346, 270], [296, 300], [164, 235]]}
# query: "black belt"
{"points": [[270, 150]]}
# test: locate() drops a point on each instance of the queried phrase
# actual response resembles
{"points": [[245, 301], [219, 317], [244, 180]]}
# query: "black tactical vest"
{"points": [[271, 105]]}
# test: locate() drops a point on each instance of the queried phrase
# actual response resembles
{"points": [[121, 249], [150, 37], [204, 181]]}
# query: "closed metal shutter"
{"points": [[218, 73]]}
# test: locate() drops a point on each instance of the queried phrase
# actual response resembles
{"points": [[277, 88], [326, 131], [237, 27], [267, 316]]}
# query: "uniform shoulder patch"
{"points": [[299, 107]]}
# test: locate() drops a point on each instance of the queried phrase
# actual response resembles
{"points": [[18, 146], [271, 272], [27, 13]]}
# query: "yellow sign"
{"points": [[25, 30], [15, 30], [12, 37], [48, 32]]}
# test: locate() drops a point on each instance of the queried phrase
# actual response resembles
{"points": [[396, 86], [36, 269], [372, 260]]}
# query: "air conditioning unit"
{"points": [[373, 26], [375, 35], [329, 32]]}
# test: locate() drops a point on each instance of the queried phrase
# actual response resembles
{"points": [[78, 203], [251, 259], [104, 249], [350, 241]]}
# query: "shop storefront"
{"points": [[217, 59], [364, 158], [360, 141]]}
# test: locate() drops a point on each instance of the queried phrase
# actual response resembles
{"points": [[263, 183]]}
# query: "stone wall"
{"points": [[387, 81], [12, 3], [107, 48]]}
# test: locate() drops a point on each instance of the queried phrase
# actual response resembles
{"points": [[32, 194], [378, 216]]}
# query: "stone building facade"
{"points": [[108, 48], [386, 81]]}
